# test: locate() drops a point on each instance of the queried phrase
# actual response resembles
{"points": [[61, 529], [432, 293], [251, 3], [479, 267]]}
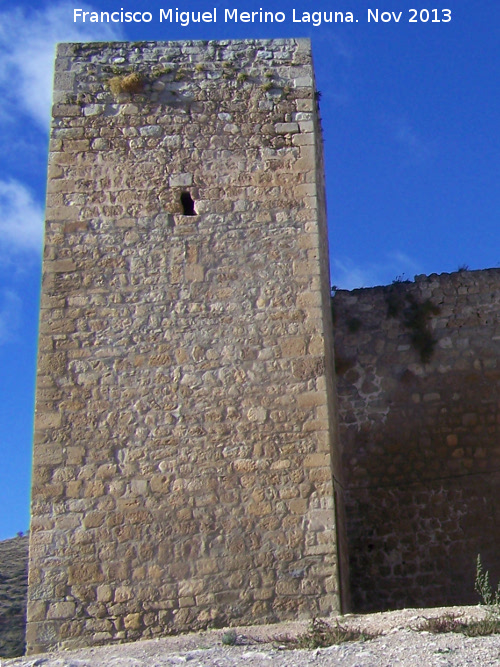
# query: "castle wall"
{"points": [[418, 377], [183, 469]]}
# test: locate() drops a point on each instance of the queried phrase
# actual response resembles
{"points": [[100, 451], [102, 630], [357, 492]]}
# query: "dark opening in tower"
{"points": [[187, 204]]}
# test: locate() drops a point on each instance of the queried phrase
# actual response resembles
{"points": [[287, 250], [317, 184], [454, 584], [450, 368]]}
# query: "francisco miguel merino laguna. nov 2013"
{"points": [[184, 18]]}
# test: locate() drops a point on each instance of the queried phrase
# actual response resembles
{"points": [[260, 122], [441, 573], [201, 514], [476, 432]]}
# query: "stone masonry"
{"points": [[184, 469], [418, 372]]}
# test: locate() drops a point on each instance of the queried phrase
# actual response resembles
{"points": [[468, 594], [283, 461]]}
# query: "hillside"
{"points": [[13, 586]]}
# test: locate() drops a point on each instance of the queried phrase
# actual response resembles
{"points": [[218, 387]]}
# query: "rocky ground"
{"points": [[399, 643], [398, 640], [13, 583]]}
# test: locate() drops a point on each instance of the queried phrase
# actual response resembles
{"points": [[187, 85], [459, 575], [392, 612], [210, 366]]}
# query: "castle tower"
{"points": [[185, 432]]}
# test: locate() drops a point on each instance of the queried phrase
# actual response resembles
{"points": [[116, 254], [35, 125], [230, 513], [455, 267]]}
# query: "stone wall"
{"points": [[418, 377], [184, 422]]}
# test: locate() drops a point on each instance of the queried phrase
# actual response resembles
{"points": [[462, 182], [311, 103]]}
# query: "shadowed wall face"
{"points": [[184, 427], [418, 377]]}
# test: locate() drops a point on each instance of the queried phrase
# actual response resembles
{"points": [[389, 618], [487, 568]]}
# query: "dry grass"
{"points": [[452, 623], [320, 635], [128, 83]]}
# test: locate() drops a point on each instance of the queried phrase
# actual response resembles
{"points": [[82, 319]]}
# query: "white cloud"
{"points": [[346, 274], [401, 259], [27, 48], [10, 315], [21, 219]]}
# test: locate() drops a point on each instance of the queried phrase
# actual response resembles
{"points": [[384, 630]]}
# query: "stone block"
{"points": [[180, 180], [66, 110], [133, 621], [37, 610], [61, 610], [286, 128], [294, 346]]}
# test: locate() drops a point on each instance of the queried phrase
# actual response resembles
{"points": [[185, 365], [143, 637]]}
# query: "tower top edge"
{"points": [[297, 43]]}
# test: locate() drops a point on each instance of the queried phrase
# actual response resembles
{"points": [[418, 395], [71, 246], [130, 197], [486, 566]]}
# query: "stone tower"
{"points": [[184, 468]]}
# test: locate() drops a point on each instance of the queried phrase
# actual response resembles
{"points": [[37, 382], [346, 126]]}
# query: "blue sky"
{"points": [[411, 128]]}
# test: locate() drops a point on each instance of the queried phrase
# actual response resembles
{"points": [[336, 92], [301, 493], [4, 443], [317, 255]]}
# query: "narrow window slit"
{"points": [[187, 204]]}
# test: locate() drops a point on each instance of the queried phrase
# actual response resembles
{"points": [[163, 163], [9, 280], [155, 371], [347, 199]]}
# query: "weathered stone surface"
{"points": [[182, 468]]}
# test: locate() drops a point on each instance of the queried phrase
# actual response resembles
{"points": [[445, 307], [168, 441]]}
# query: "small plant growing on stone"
{"points": [[199, 67], [228, 71], [229, 638], [160, 71], [395, 301], [242, 77], [401, 278], [416, 318], [267, 86], [128, 83]]}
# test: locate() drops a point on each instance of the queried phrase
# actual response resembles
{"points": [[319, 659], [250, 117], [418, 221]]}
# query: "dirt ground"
{"points": [[399, 644]]}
